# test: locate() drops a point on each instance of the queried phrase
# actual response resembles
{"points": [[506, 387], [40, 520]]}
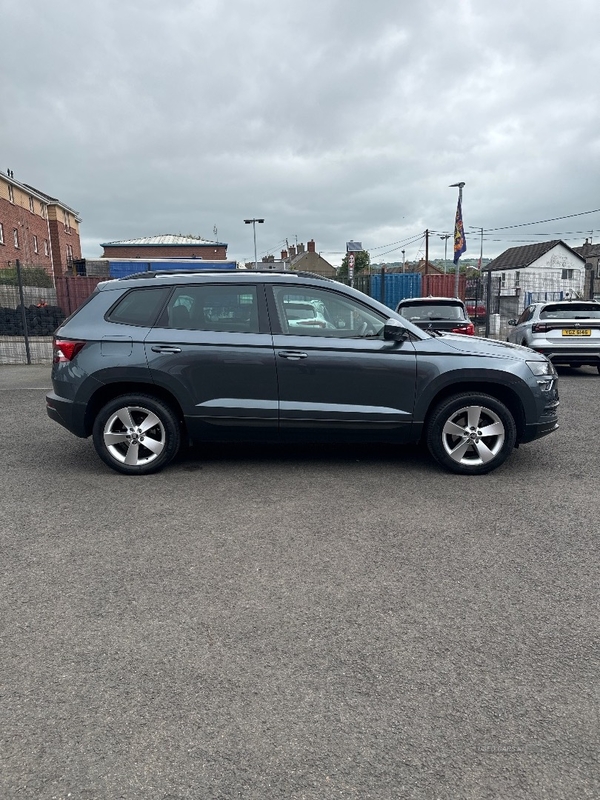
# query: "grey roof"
{"points": [[521, 257], [592, 250], [48, 198], [166, 240]]}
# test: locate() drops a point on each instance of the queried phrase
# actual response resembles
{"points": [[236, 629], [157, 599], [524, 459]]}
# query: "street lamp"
{"points": [[445, 237], [253, 223], [403, 261]]}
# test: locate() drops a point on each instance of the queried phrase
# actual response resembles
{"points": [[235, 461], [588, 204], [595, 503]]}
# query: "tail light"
{"points": [[540, 327], [468, 330], [65, 350]]}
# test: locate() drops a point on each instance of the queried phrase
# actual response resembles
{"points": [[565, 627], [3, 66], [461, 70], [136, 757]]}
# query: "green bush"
{"points": [[31, 276]]}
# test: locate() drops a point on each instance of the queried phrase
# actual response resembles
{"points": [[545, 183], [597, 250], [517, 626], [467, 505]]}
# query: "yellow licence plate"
{"points": [[576, 332]]}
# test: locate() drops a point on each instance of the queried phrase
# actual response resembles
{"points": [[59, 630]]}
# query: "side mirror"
{"points": [[512, 322], [394, 331]]}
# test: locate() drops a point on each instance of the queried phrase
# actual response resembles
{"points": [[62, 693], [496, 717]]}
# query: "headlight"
{"points": [[541, 367]]}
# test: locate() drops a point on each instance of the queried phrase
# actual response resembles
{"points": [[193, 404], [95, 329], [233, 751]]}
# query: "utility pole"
{"points": [[426, 251]]}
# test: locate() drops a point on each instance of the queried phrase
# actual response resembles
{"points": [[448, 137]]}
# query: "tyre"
{"points": [[136, 434], [471, 434]]}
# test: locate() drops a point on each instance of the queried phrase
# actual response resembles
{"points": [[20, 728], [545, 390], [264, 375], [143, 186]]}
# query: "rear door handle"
{"points": [[292, 355], [165, 348]]}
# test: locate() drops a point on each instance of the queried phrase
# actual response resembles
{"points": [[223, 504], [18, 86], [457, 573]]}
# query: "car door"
{"points": [[212, 348], [338, 377]]}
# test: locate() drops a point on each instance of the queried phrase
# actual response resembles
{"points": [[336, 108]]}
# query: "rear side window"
{"points": [[139, 306]]}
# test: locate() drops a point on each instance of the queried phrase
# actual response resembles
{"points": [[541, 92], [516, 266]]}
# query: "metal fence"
{"points": [[32, 306]]}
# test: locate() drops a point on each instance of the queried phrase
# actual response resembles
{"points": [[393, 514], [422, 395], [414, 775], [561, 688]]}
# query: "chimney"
{"points": [[311, 246], [300, 247], [284, 255], [292, 251]]}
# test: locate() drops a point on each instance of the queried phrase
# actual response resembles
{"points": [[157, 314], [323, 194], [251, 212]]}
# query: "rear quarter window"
{"points": [[139, 306]]}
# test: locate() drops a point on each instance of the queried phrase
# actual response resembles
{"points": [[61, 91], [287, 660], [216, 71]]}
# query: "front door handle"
{"points": [[165, 348], [292, 355]]}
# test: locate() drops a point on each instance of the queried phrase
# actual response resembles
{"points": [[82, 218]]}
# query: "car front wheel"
{"points": [[471, 433], [136, 434]]}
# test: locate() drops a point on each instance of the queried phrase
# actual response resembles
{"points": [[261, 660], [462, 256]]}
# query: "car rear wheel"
{"points": [[136, 434], [471, 433]]}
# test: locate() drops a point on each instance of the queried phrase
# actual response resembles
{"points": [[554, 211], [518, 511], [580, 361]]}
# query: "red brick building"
{"points": [[36, 228], [166, 246]]}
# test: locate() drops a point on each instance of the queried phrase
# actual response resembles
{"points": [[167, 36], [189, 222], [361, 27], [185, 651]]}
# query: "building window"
{"points": [[11, 193], [31, 206], [567, 274], [16, 237], [503, 279], [517, 278], [43, 211], [46, 250], [35, 244], [67, 222], [69, 254], [1, 233]]}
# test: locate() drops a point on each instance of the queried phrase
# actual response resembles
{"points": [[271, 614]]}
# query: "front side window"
{"points": [[213, 307], [307, 311], [139, 306]]}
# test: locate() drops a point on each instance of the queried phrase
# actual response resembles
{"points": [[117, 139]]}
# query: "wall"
{"points": [[17, 216], [209, 252]]}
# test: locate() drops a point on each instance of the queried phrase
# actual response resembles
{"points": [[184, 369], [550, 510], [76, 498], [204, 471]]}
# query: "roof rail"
{"points": [[159, 272]]}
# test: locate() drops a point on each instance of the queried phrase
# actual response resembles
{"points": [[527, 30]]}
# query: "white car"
{"points": [[567, 331]]}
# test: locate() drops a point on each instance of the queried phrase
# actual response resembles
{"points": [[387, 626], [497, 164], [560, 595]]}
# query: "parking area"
{"points": [[262, 623]]}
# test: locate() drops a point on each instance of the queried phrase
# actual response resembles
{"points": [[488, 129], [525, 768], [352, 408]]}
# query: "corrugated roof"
{"points": [[521, 257], [167, 239]]}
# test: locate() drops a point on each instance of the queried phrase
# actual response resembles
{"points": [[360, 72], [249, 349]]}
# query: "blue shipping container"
{"points": [[121, 268]]}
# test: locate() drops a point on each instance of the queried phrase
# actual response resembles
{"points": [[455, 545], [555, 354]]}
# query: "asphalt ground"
{"points": [[310, 623]]}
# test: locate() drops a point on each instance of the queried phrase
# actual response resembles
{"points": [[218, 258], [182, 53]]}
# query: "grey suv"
{"points": [[155, 359]]}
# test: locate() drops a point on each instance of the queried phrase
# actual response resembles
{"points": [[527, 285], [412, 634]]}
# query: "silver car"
{"points": [[567, 332]]}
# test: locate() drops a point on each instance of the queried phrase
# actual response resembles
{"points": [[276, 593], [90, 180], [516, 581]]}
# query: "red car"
{"points": [[477, 311]]}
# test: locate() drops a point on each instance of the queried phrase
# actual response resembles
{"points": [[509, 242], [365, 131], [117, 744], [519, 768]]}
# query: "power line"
{"points": [[543, 221]]}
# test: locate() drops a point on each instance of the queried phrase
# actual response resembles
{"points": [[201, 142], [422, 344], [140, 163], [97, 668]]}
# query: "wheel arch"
{"points": [[109, 391], [505, 394]]}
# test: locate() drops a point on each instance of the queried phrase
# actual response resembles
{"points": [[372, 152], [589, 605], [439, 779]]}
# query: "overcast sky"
{"points": [[332, 119]]}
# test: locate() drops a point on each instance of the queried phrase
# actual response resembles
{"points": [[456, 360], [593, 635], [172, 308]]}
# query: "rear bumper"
{"points": [[67, 413]]}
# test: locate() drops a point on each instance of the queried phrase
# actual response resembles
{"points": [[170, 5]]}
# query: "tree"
{"points": [[362, 261]]}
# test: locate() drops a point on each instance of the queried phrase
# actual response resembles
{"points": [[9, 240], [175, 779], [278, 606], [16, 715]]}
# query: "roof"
{"points": [[588, 249], [521, 257], [40, 195], [166, 240]]}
